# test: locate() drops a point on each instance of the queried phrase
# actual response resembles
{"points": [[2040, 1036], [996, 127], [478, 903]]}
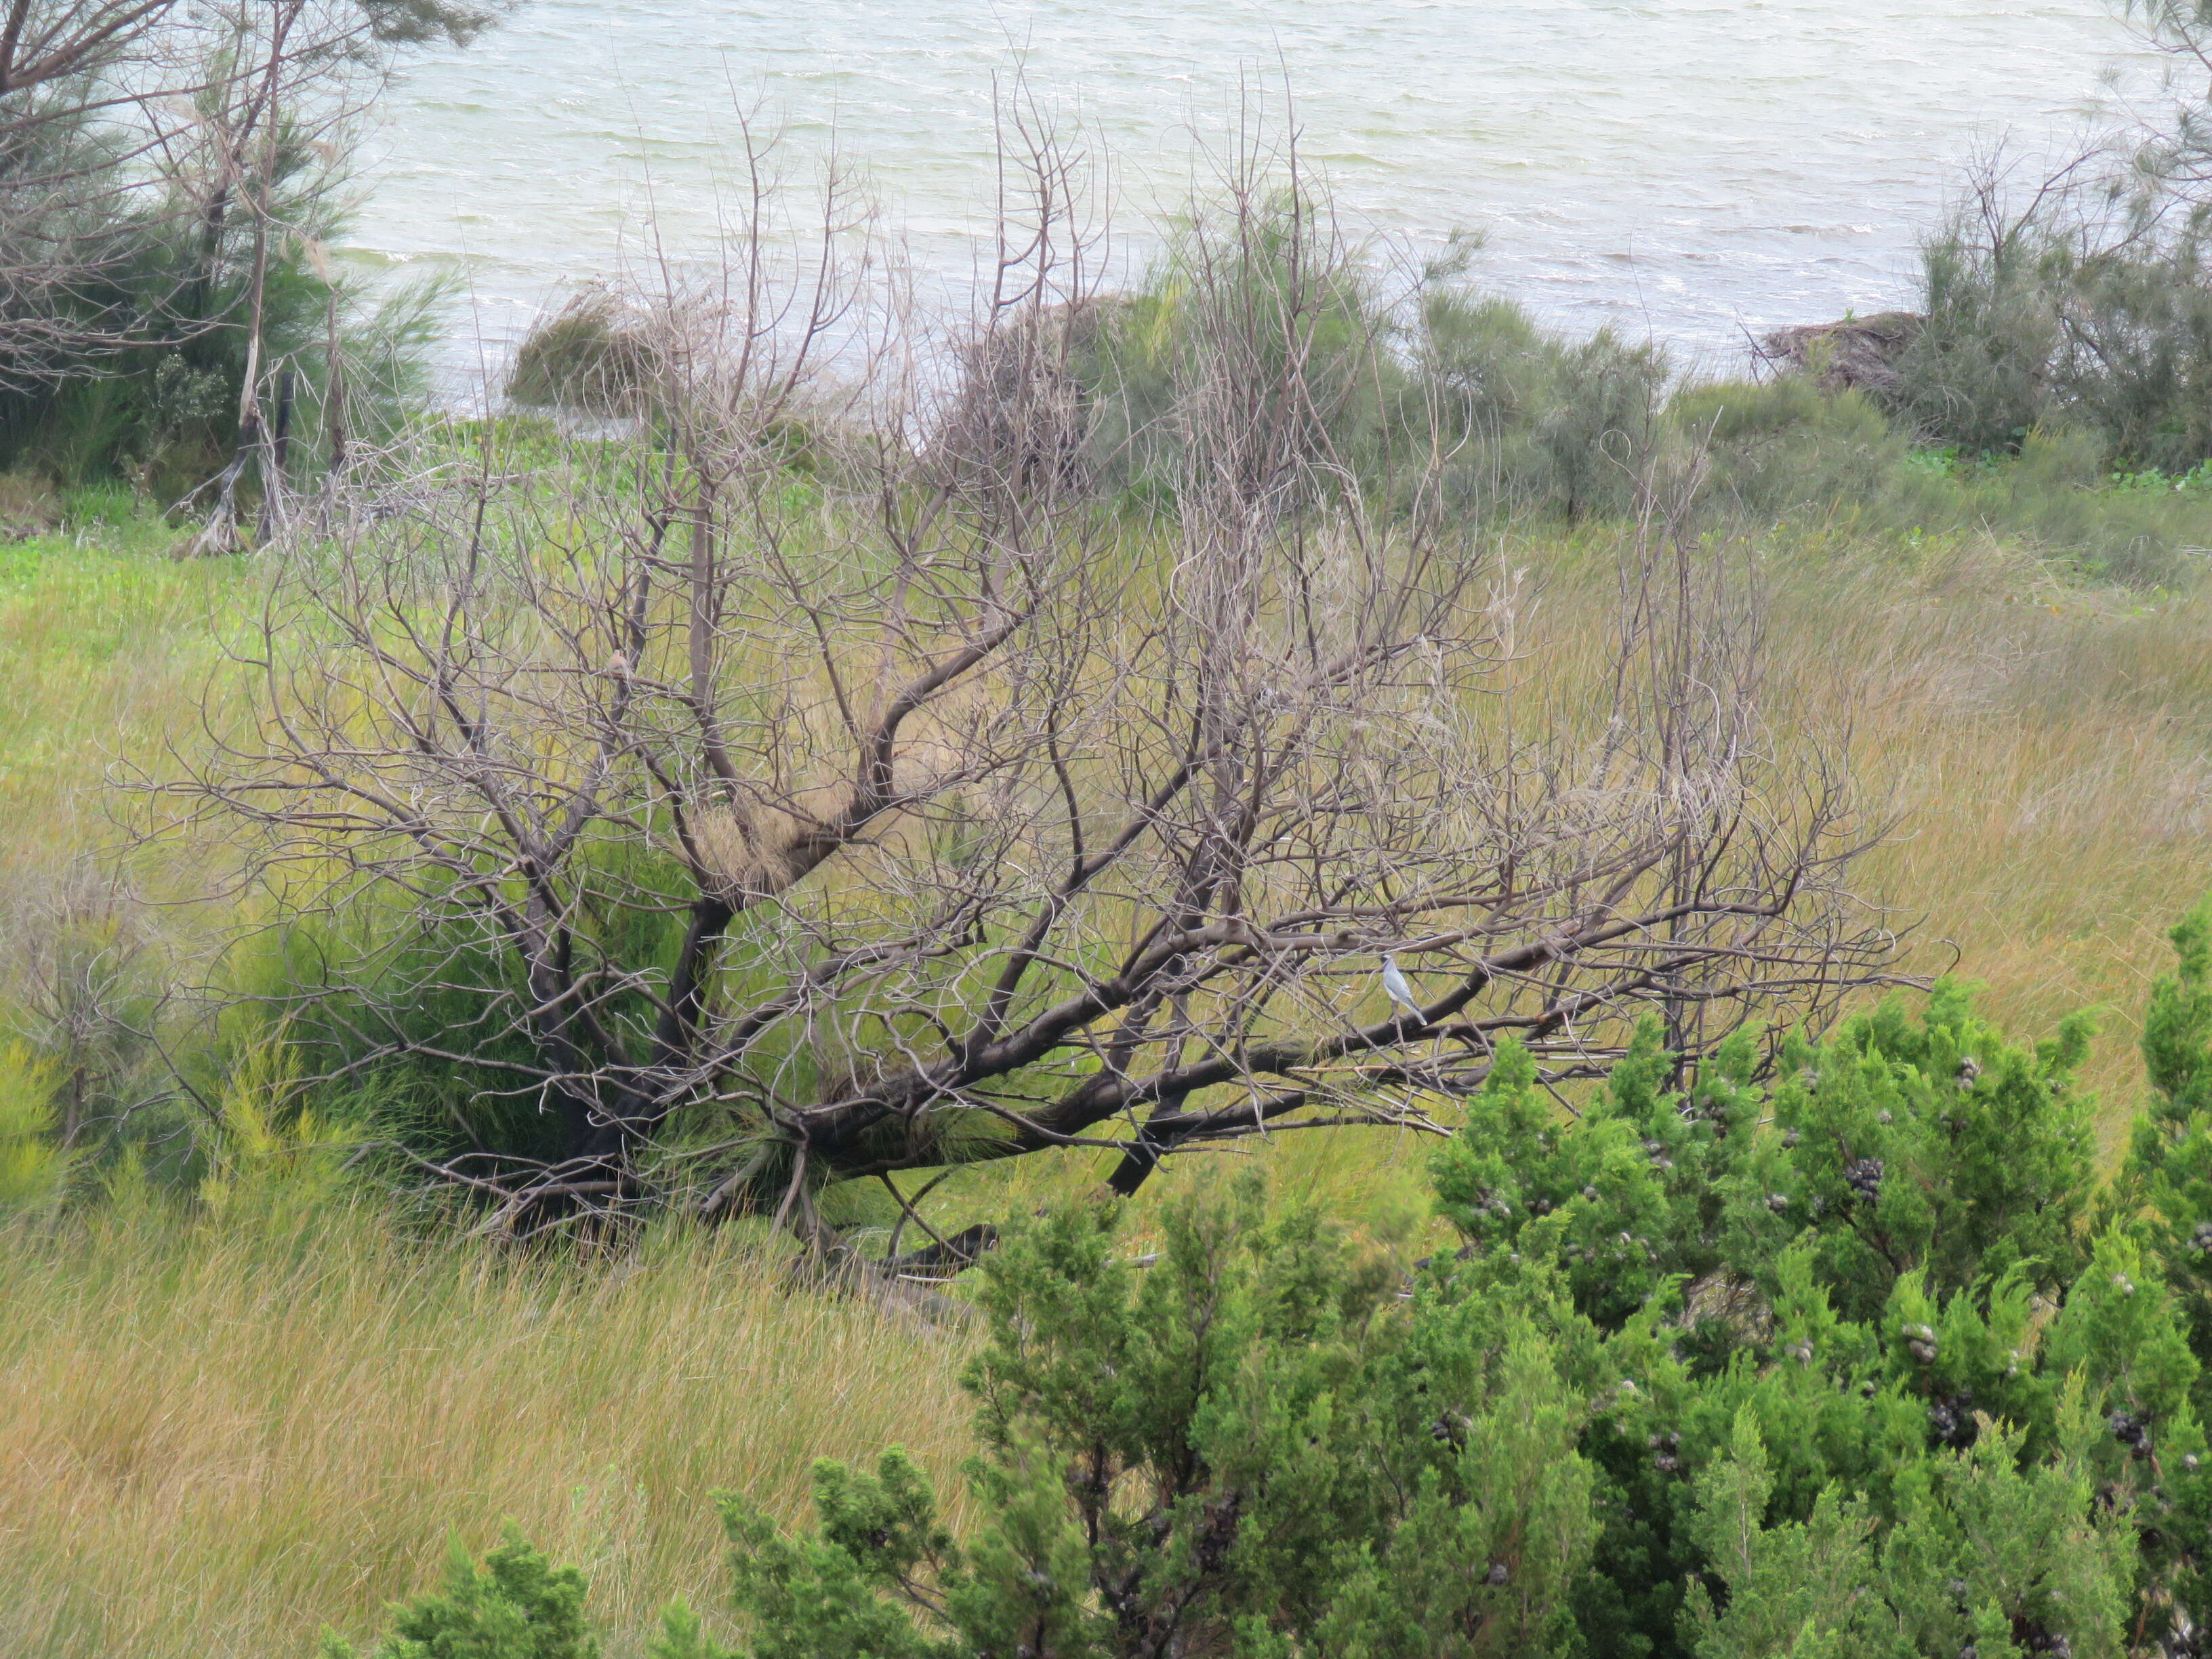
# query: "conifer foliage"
{"points": [[1839, 1356]]}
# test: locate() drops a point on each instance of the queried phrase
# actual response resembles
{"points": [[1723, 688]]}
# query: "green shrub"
{"points": [[1895, 1147], [1976, 373], [1250, 1445], [516, 1606], [34, 1168], [1464, 401], [1598, 436], [1531, 420], [2165, 1188], [1524, 420], [2089, 308], [1788, 449], [1783, 1346], [1779, 1346], [1826, 1356], [1258, 341]]}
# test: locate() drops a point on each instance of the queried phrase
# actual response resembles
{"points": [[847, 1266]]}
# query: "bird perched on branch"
{"points": [[1393, 984]]}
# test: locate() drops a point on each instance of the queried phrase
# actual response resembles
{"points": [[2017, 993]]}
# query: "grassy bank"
{"points": [[218, 1439]]}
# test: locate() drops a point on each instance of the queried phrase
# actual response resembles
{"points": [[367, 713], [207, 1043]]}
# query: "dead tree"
{"points": [[818, 788]]}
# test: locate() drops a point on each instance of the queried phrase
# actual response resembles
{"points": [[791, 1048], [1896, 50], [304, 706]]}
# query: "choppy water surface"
{"points": [[1693, 167]]}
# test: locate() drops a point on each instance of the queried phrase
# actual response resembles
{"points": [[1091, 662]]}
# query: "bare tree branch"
{"points": [[828, 784]]}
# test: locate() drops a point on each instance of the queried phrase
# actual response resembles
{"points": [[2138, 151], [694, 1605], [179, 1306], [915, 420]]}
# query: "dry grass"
{"points": [[214, 1443], [2044, 752]]}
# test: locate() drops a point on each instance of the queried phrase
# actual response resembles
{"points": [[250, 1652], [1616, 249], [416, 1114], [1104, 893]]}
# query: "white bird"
{"points": [[1393, 984]]}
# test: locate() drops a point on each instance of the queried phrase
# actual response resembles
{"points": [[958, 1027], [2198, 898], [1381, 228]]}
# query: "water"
{"points": [[1690, 168]]}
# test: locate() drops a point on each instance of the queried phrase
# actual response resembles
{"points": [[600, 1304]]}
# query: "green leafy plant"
{"points": [[516, 1606]]}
